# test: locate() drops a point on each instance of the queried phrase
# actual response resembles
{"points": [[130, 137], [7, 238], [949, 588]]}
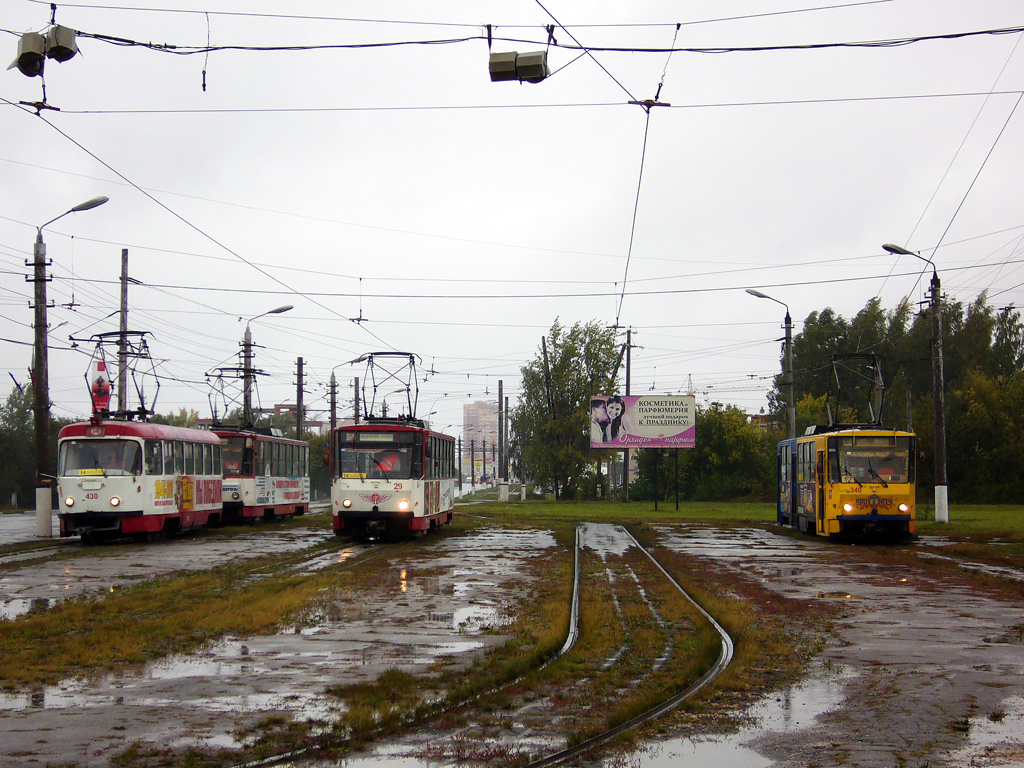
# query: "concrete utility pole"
{"points": [[248, 372], [501, 434], [41, 375], [938, 387], [122, 341], [625, 452], [298, 403], [334, 403]]}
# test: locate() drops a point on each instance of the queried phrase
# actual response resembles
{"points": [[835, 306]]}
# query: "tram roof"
{"points": [[143, 429]]}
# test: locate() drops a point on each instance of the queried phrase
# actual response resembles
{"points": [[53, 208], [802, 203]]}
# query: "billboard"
{"points": [[642, 421]]}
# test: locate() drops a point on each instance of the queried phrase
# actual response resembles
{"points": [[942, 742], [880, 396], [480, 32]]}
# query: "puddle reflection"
{"points": [[995, 737], [789, 711]]}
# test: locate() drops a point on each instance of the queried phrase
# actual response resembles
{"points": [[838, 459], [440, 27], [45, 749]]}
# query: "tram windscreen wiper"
{"points": [[873, 473]]}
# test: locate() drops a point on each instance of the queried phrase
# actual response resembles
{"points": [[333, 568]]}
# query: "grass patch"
{"points": [[131, 626]]}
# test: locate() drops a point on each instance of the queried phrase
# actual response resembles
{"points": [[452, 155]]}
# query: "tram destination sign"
{"points": [[642, 421]]}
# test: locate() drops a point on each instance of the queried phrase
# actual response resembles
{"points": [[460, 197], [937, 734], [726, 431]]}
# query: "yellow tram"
{"points": [[848, 481]]}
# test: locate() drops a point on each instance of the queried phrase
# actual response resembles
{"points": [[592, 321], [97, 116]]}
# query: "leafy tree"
{"points": [[988, 435], [319, 473], [17, 448], [185, 417], [551, 418], [1008, 346], [732, 459]]}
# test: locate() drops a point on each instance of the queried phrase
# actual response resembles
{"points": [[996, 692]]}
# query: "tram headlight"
{"points": [[904, 507], [69, 501], [847, 507], [346, 503], [403, 505], [235, 496], [115, 501]]}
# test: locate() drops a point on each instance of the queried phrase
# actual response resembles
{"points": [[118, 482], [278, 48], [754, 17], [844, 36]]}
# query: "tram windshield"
{"points": [[237, 453], [384, 456], [99, 457], [882, 459]]}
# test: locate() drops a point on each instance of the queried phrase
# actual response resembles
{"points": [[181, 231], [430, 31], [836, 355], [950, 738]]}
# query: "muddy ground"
{"points": [[923, 666]]}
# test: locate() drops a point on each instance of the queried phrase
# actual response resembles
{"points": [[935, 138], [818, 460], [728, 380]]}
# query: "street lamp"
{"points": [[40, 375], [247, 372], [938, 386], [787, 365]]}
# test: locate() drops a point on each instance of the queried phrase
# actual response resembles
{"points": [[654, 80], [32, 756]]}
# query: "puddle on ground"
{"points": [[604, 539], [793, 709], [994, 738], [992, 570], [12, 609], [733, 544]]}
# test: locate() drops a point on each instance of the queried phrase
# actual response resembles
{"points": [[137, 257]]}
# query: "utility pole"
{"points": [[500, 472], [939, 400], [625, 451], [298, 404], [938, 386], [41, 374], [41, 387], [247, 377], [122, 342], [333, 387]]}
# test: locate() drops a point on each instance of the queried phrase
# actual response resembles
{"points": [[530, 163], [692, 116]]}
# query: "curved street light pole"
{"points": [[41, 376], [938, 386], [787, 365], [247, 371]]}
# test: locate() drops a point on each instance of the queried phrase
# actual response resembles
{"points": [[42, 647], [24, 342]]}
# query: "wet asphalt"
{"points": [[922, 670]]}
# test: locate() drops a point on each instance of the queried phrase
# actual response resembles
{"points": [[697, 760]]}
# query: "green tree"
{"points": [[185, 417], [988, 435], [551, 418], [732, 459], [319, 472], [17, 448]]}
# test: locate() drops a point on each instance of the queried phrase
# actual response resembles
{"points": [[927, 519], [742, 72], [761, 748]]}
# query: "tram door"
{"points": [[820, 476]]}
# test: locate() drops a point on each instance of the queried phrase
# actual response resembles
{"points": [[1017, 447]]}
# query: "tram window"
{"points": [[154, 457], [132, 458], [216, 460], [179, 457], [260, 446], [168, 449], [292, 470], [190, 459]]}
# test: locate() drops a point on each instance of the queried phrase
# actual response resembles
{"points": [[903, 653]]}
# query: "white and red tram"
{"points": [[391, 477], [265, 475], [136, 478]]}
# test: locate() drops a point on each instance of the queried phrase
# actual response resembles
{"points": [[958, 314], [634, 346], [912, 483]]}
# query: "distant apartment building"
{"points": [[479, 434]]}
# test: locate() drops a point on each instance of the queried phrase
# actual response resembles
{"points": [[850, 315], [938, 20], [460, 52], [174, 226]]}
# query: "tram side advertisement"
{"points": [[643, 421]]}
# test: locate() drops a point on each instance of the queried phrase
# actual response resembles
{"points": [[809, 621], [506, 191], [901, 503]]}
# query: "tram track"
{"points": [[631, 580], [721, 663]]}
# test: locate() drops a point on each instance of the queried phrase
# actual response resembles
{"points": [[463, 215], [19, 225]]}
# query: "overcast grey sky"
{"points": [[459, 217]]}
